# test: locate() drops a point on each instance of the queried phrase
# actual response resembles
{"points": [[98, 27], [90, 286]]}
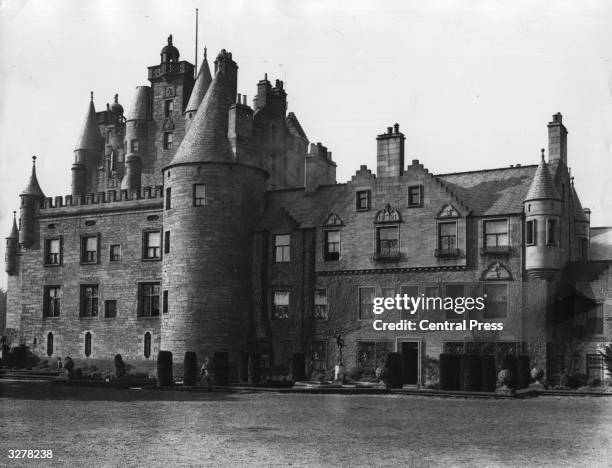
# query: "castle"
{"points": [[199, 223]]}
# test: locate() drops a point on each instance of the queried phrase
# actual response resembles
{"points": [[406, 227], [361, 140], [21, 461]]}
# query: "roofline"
{"points": [[487, 170], [198, 163]]}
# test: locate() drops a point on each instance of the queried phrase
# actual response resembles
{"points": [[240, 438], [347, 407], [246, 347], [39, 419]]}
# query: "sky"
{"points": [[471, 83]]}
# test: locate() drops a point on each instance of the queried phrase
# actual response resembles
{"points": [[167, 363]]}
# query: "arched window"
{"points": [[147, 345], [87, 344], [49, 344]]}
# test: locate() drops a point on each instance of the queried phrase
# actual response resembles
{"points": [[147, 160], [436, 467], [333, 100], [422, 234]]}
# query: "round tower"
{"points": [[12, 248], [88, 153], [215, 203], [31, 198], [136, 137], [542, 207]]}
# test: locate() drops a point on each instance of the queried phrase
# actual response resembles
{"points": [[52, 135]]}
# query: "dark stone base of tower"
{"points": [[198, 223]]}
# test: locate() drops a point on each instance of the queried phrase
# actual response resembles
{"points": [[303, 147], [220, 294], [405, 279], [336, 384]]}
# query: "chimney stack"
{"points": [[390, 153], [557, 139]]}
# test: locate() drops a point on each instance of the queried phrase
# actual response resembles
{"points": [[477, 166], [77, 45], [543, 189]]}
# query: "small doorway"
{"points": [[410, 362]]}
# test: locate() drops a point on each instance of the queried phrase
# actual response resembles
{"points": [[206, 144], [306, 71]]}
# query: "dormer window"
{"points": [[362, 200], [387, 242], [447, 239]]}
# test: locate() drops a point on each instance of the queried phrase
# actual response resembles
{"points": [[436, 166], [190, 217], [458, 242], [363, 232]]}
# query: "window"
{"points": [[199, 194], [110, 309], [332, 245], [496, 234], [362, 200], [447, 239], [410, 291], [414, 196], [168, 140], [320, 304], [168, 108], [49, 344], [147, 345], [165, 302], [134, 147], [167, 242], [594, 322], [496, 301], [319, 355], [53, 252], [168, 198], [530, 232], [551, 232], [387, 242], [89, 300], [152, 245], [115, 252], [454, 291], [87, 344], [149, 300], [280, 309], [282, 248], [366, 302], [89, 249], [52, 301]]}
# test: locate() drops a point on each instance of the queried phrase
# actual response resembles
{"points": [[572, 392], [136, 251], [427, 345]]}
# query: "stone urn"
{"points": [[537, 375], [504, 377]]}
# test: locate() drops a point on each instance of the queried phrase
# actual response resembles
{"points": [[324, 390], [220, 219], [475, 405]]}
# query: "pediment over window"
{"points": [[388, 215], [448, 211], [168, 125], [497, 271], [333, 220]]}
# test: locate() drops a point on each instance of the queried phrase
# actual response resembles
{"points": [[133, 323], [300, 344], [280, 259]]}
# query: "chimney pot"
{"points": [[396, 128], [389, 130]]}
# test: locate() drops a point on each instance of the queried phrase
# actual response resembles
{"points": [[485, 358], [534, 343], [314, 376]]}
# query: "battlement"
{"points": [[110, 196]]}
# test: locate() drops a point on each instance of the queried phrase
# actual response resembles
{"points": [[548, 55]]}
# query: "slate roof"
{"points": [[203, 81], [33, 188], [543, 186], [14, 234], [579, 214], [140, 107], [294, 126], [90, 136], [491, 191], [206, 140]]}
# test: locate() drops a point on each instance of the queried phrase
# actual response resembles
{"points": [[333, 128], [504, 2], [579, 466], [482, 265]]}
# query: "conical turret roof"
{"points": [[14, 234], [33, 188], [542, 186], [206, 140], [140, 107], [579, 214], [203, 81], [90, 136]]}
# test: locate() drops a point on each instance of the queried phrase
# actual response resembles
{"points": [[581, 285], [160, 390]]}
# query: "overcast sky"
{"points": [[472, 84]]}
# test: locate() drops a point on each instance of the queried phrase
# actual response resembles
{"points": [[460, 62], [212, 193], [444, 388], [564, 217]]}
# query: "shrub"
{"points": [[471, 372], [164, 369], [353, 374], [488, 379], [221, 367], [393, 370], [190, 368], [510, 363], [298, 366], [523, 374], [21, 357], [595, 382], [119, 366], [577, 380], [69, 364], [254, 372], [450, 371]]}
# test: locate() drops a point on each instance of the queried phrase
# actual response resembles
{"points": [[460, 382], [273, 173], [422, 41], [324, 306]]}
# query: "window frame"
{"points": [[116, 258], [327, 255], [165, 301], [368, 198], [360, 304], [134, 145], [448, 251], [274, 313], [146, 247], [88, 344], [552, 239], [531, 230], [59, 254], [168, 108], [141, 299], [95, 300], [488, 316], [419, 202], [147, 344], [167, 140], [387, 227], [199, 201], [506, 233], [166, 242], [168, 199], [282, 248], [56, 301], [106, 308], [83, 256], [315, 313]]}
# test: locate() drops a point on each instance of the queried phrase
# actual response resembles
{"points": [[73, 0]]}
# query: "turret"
{"points": [[136, 137], [12, 248], [31, 198], [213, 202], [88, 153], [200, 87], [542, 207]]}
